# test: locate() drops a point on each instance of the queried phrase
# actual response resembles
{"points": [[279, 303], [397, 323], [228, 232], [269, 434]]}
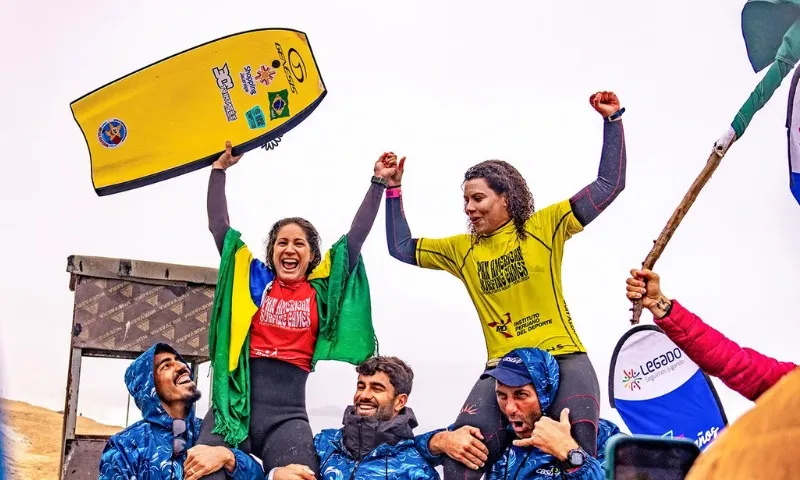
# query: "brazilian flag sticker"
{"points": [[278, 104]]}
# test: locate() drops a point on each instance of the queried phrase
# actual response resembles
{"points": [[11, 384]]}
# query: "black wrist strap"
{"points": [[379, 180], [616, 115]]}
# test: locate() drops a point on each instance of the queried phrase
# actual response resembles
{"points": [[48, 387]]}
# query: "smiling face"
{"points": [[487, 211], [173, 380], [375, 397], [291, 253], [521, 406]]}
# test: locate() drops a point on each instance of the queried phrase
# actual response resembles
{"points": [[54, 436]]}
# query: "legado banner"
{"points": [[658, 390]]}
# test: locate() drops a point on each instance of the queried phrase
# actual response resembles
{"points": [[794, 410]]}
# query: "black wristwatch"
{"points": [[380, 181], [575, 459]]}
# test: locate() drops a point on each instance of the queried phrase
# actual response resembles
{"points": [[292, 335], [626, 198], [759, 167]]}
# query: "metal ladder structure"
{"points": [[121, 308]]}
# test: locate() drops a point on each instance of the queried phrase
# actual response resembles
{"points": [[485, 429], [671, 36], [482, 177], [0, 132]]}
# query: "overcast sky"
{"points": [[447, 84]]}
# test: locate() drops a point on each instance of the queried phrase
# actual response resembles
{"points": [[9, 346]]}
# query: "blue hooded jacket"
{"points": [[385, 450], [143, 451], [530, 463]]}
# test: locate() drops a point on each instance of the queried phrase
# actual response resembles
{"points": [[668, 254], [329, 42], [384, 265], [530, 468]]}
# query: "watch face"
{"points": [[576, 458]]}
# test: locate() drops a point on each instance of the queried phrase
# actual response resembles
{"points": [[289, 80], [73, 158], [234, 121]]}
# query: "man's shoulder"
{"points": [[327, 439], [407, 444], [126, 446], [407, 453], [133, 437], [140, 428]]}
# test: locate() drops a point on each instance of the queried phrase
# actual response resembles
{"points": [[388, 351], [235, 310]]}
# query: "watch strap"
{"points": [[380, 181], [616, 115]]}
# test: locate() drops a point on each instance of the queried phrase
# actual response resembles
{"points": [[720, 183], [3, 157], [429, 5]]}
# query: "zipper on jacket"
{"points": [[360, 456]]}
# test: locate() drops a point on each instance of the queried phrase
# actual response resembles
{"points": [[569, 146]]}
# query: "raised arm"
{"points": [[216, 203], [398, 234], [595, 197], [742, 369], [365, 216]]}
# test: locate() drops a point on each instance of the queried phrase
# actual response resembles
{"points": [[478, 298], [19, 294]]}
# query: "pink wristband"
{"points": [[394, 192]]}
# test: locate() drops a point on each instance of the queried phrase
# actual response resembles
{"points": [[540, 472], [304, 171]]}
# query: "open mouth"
{"points": [[366, 408], [290, 265], [183, 379], [474, 220], [518, 425]]}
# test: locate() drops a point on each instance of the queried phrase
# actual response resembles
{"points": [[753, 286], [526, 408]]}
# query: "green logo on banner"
{"points": [[278, 104], [255, 118]]}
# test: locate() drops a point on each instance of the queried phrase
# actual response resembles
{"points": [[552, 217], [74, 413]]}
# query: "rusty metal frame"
{"points": [[80, 453]]}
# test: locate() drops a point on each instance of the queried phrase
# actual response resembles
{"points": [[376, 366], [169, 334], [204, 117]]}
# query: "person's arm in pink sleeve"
{"points": [[744, 370]]}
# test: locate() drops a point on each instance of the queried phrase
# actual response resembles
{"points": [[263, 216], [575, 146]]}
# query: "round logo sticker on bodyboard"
{"points": [[112, 133]]}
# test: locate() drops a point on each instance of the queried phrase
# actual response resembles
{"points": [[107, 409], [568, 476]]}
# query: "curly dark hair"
{"points": [[312, 236], [506, 180], [400, 374]]}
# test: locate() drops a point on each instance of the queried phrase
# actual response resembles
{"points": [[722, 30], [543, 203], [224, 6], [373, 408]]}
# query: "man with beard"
{"points": [[526, 382], [377, 440], [159, 447]]}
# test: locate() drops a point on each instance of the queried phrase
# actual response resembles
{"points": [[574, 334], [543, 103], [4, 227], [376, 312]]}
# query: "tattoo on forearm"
{"points": [[662, 305]]}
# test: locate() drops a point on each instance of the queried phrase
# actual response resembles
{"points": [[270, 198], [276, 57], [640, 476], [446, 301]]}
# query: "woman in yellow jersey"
{"points": [[510, 263]]}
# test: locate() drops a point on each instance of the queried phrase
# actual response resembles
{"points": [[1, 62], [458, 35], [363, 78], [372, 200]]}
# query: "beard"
{"points": [[528, 421], [192, 397], [384, 413]]}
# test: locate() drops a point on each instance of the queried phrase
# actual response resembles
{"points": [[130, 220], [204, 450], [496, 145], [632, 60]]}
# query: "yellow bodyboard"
{"points": [[174, 116]]}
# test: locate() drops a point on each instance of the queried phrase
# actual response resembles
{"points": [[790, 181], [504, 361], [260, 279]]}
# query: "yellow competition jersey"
{"points": [[515, 285]]}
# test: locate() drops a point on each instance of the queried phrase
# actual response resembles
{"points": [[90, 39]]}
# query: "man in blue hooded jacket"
{"points": [[161, 445], [526, 383], [377, 440]]}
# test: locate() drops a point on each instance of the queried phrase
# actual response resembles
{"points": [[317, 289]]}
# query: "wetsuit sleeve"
{"points": [[217, 206], [362, 223], [115, 463], [247, 468], [742, 369], [595, 197], [398, 234]]}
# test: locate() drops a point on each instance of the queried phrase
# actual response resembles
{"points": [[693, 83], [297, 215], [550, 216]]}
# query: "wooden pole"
{"points": [[674, 221]]}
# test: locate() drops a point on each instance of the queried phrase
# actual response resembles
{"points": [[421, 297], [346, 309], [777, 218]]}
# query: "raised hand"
{"points": [[646, 285], [397, 177], [227, 159], [551, 437], [389, 168], [606, 103]]}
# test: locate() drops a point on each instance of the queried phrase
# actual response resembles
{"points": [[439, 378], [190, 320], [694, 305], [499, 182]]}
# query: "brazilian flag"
{"points": [[346, 332]]}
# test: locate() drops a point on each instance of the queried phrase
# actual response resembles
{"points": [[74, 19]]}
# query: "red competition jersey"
{"points": [[286, 325]]}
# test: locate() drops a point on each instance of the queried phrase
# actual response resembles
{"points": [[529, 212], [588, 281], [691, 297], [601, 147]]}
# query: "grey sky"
{"points": [[447, 84]]}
